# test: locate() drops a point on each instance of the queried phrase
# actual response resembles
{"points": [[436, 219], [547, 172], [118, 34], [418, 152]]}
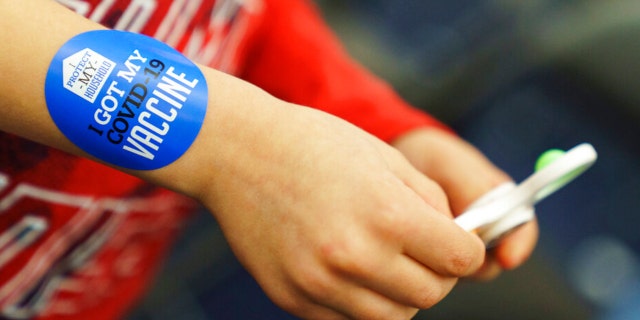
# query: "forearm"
{"points": [[30, 47], [33, 31]]}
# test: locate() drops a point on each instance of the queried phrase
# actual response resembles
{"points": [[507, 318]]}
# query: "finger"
{"points": [[460, 169], [511, 253], [433, 239], [296, 300], [490, 269], [383, 269], [330, 295], [362, 303], [404, 280], [517, 246], [437, 242], [430, 191]]}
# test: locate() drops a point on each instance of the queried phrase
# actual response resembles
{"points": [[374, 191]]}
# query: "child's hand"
{"points": [[332, 222], [465, 175]]}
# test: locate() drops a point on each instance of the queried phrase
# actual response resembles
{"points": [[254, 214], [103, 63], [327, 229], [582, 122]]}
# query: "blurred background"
{"points": [[515, 78]]}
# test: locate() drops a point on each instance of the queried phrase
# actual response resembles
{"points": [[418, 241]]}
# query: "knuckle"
{"points": [[438, 198], [346, 258], [288, 301], [394, 218], [313, 283], [392, 222]]}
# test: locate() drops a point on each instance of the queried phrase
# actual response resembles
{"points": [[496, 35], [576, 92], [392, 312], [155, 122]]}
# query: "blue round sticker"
{"points": [[126, 98]]}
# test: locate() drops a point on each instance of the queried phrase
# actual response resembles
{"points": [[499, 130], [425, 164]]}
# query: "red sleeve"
{"points": [[298, 59]]}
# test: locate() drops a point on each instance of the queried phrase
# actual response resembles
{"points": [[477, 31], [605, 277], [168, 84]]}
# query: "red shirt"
{"points": [[81, 240]]}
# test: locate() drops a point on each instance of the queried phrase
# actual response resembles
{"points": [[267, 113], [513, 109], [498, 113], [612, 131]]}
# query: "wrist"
{"points": [[238, 116]]}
